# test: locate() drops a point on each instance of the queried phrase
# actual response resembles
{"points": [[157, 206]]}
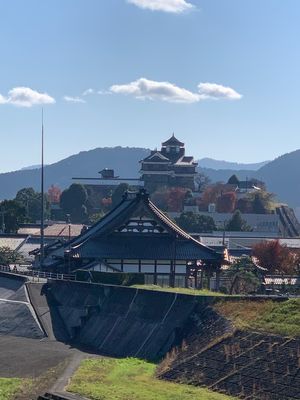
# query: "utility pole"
{"points": [[2, 212], [42, 196], [69, 252]]}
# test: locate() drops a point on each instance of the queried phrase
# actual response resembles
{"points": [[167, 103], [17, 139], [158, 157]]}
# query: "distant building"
{"points": [[168, 167], [136, 237]]}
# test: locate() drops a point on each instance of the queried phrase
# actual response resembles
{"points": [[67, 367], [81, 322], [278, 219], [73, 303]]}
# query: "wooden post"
{"points": [[202, 274], [187, 274], [172, 273]]}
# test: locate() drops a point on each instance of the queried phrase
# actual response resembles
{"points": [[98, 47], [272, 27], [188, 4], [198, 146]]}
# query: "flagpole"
{"points": [[42, 195]]}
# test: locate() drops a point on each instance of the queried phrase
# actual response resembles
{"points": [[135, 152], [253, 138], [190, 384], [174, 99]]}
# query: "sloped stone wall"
{"points": [[245, 364], [120, 321]]}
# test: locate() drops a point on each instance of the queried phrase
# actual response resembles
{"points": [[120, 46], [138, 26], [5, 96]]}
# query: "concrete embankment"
{"points": [[47, 312], [120, 321], [17, 317]]}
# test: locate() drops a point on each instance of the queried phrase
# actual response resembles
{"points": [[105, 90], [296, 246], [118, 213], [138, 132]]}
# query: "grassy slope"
{"points": [[124, 379], [269, 316], [193, 292], [9, 387]]}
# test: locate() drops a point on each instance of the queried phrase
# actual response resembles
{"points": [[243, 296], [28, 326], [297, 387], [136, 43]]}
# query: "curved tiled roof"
{"points": [[173, 141], [105, 240]]}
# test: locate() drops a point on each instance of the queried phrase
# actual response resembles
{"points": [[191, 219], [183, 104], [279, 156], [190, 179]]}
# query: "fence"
{"points": [[37, 274]]}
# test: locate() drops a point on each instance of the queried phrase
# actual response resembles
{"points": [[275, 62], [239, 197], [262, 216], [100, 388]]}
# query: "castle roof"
{"points": [[173, 141], [156, 156]]}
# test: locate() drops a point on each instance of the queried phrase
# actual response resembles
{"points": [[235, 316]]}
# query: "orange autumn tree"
{"points": [[170, 199], [275, 257], [226, 202]]}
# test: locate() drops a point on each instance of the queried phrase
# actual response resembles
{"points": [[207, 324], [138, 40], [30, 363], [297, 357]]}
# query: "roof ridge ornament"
{"points": [[143, 194]]}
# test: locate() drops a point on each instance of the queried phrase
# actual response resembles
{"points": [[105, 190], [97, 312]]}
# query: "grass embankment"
{"points": [[123, 379], [281, 318], [9, 387], [193, 292]]}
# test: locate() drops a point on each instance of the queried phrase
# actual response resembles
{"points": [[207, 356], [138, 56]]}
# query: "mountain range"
{"points": [[280, 175], [210, 163]]}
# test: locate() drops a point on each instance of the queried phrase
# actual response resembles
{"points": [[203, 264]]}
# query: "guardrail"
{"points": [[38, 274]]}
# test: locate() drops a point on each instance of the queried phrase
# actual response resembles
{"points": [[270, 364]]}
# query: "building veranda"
{"points": [[138, 237]]}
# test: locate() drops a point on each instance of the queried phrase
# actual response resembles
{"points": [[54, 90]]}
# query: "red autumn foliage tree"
{"points": [[171, 199], [211, 194], [54, 194], [275, 257], [176, 199], [226, 202]]}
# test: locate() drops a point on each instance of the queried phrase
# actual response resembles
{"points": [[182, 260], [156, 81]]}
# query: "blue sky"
{"points": [[144, 66]]}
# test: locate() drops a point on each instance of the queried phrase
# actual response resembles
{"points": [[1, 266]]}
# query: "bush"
{"points": [[111, 278]]}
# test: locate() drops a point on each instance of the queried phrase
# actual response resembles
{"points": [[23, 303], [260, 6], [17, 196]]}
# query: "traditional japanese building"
{"points": [[168, 167], [136, 237]]}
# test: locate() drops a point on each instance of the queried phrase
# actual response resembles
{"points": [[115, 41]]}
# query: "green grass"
{"points": [[131, 379], [194, 292], [9, 387], [281, 318]]}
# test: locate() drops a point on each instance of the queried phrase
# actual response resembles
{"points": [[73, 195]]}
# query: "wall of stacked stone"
{"points": [[246, 364]]}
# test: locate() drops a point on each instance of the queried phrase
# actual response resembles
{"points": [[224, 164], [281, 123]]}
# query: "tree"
{"points": [[275, 257], [14, 215], [31, 201], [244, 276], [237, 223], [8, 256], [73, 201], [233, 180], [262, 201], [170, 199], [201, 181], [93, 218], [245, 205], [117, 195], [226, 202], [175, 199], [192, 222], [211, 193], [258, 205]]}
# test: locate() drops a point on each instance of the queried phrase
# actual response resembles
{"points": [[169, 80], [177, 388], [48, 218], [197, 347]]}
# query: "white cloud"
{"points": [[145, 89], [171, 6], [88, 91], [71, 99], [26, 97], [215, 91], [165, 91]]}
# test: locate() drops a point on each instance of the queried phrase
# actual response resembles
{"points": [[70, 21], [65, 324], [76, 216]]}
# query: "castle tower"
{"points": [[168, 167]]}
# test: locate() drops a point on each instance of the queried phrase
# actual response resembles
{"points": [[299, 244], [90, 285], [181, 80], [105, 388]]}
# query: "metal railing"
{"points": [[38, 274]]}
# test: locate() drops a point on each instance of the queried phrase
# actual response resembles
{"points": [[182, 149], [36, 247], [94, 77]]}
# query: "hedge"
{"points": [[111, 278]]}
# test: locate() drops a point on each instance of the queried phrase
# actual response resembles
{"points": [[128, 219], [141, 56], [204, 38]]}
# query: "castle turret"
{"points": [[168, 167]]}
